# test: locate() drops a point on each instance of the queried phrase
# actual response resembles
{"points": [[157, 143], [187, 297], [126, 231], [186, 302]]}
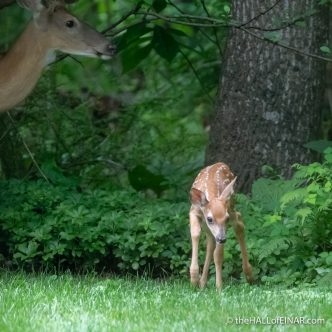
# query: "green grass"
{"points": [[70, 303]]}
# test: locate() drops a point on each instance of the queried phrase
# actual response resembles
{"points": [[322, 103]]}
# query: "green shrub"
{"points": [[59, 226], [288, 228], [290, 225]]}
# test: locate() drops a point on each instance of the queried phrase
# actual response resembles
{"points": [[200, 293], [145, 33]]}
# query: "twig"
{"points": [[124, 17], [294, 49], [287, 25], [215, 31], [177, 19], [175, 6], [196, 75], [28, 149], [117, 32], [255, 18], [4, 134]]}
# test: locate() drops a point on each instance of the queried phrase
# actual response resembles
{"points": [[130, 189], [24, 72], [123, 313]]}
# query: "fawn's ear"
{"points": [[198, 198], [228, 191]]}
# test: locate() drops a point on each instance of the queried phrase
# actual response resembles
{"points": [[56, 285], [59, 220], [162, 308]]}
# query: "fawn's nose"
{"points": [[221, 239]]}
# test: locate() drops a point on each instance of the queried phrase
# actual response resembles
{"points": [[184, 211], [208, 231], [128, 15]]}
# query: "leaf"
{"points": [[133, 56], [313, 187], [182, 30], [227, 9], [328, 154], [303, 214], [268, 193], [133, 36], [159, 5], [329, 260], [164, 44], [311, 199], [325, 49], [135, 266], [271, 219], [296, 196], [322, 271], [319, 145], [300, 23], [273, 36]]}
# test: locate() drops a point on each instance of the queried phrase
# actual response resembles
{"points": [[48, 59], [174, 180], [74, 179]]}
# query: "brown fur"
{"points": [[22, 66]]}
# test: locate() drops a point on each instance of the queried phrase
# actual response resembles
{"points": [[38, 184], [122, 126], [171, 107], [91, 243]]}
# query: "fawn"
{"points": [[212, 201]]}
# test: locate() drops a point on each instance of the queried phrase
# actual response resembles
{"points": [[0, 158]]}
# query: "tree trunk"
{"points": [[269, 97]]}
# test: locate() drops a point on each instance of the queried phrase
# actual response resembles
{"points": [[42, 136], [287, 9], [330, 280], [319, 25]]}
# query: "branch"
{"points": [[124, 17], [255, 18], [196, 75], [285, 26], [293, 49], [215, 30], [212, 23]]}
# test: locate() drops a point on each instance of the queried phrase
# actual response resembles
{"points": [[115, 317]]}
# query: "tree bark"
{"points": [[269, 98]]}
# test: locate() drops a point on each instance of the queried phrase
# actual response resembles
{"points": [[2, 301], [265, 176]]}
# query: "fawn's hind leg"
{"points": [[238, 227]]}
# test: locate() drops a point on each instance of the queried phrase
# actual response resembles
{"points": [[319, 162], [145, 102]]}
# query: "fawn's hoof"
{"points": [[248, 273], [194, 277], [202, 283]]}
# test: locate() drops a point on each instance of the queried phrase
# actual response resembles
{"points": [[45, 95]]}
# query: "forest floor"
{"points": [[87, 303]]}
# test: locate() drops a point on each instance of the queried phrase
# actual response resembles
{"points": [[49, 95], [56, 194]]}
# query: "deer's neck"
{"points": [[21, 67]]}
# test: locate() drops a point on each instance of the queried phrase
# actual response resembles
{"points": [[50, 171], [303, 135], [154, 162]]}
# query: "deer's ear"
{"points": [[198, 198], [32, 5], [39, 10], [228, 191]]}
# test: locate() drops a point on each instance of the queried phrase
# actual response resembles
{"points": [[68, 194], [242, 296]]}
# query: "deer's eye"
{"points": [[209, 220], [70, 24]]}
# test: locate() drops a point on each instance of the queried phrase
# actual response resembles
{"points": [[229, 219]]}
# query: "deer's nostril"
{"points": [[111, 48]]}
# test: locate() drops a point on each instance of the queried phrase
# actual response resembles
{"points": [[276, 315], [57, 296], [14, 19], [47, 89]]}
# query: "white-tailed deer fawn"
{"points": [[52, 29], [212, 207]]}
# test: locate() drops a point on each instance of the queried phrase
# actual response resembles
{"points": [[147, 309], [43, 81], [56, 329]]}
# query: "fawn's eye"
{"points": [[70, 24], [209, 220]]}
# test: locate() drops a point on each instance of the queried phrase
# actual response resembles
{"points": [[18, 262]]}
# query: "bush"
{"points": [[61, 227], [288, 228], [290, 225]]}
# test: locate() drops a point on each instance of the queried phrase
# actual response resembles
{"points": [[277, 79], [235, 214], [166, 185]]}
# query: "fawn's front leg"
{"points": [[239, 232], [210, 245], [218, 256], [195, 231]]}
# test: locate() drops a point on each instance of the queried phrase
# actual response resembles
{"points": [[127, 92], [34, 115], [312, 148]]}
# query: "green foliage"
{"points": [[137, 123], [288, 228], [289, 225], [60, 226], [319, 146]]}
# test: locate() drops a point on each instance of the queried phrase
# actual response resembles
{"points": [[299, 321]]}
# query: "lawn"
{"points": [[88, 303]]}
